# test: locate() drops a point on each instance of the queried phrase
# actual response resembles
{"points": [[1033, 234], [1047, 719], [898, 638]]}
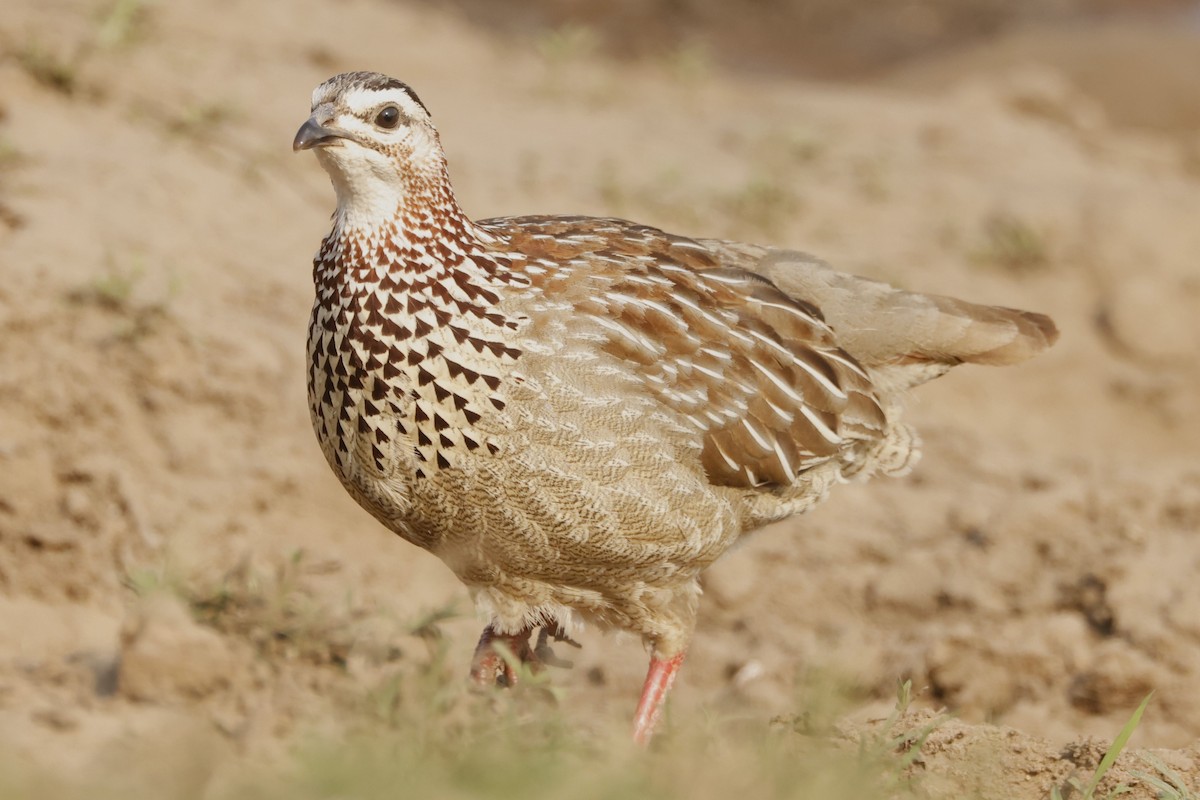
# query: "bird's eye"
{"points": [[388, 118]]}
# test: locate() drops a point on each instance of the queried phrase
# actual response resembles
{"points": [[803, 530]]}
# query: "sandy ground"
{"points": [[1035, 577]]}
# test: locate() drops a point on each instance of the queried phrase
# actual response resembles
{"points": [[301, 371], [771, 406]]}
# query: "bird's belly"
{"points": [[560, 487]]}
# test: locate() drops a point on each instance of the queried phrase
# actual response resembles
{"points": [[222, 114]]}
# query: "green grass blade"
{"points": [[1169, 784], [1117, 746]]}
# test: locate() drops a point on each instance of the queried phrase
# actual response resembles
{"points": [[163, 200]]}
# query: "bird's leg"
{"points": [[654, 693], [490, 668], [547, 656]]}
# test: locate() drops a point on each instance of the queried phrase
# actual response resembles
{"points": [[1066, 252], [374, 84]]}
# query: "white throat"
{"points": [[368, 190]]}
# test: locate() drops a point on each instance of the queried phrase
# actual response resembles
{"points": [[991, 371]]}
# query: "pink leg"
{"points": [[654, 692]]}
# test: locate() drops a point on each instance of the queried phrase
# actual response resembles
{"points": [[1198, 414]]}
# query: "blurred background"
{"points": [[177, 564]]}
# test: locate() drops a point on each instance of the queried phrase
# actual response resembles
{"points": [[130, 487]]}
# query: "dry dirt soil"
{"points": [[176, 559]]}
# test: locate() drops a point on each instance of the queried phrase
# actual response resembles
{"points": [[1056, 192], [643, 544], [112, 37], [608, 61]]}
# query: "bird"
{"points": [[579, 415]]}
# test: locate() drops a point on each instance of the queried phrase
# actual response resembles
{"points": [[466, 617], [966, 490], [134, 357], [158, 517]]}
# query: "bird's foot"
{"points": [[499, 657], [546, 655]]}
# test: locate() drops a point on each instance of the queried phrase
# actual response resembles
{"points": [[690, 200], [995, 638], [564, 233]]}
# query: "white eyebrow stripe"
{"points": [[360, 100]]}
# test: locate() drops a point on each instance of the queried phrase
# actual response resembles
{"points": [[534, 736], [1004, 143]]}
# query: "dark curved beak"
{"points": [[314, 134]]}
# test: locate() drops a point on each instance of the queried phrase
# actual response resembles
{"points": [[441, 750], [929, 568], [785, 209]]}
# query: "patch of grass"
{"points": [[419, 732], [1088, 791], [613, 191], [562, 51], [763, 205], [10, 155], [506, 753], [1012, 243], [870, 175], [114, 289], [529, 173], [690, 63], [120, 290], [414, 729], [202, 121], [666, 197], [122, 23], [274, 612], [52, 69], [10, 158], [806, 147], [1190, 159], [145, 581], [60, 69], [1168, 783], [570, 42]]}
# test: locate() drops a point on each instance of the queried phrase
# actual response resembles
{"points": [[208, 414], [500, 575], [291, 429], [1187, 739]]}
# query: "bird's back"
{"points": [[778, 361]]}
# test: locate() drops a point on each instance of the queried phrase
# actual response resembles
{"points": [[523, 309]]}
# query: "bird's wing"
{"points": [[756, 373]]}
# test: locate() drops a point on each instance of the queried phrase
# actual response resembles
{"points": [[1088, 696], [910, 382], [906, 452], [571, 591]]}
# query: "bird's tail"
{"points": [[912, 337]]}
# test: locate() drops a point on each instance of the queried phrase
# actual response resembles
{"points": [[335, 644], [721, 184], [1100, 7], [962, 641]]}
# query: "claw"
{"points": [[546, 655], [498, 654], [489, 667]]}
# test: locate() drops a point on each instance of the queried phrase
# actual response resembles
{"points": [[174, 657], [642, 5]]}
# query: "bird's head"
{"points": [[375, 138]]}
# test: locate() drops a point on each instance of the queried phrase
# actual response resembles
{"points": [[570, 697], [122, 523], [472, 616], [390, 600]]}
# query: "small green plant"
{"points": [[201, 121], [895, 738], [115, 288], [1168, 783], [528, 676], [428, 625], [1012, 243], [805, 147], [275, 613], [529, 172], [568, 43], [144, 581], [1088, 791], [52, 69], [10, 156], [60, 69], [903, 695], [762, 205], [690, 63], [871, 176], [613, 192], [122, 23], [120, 290], [666, 197]]}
